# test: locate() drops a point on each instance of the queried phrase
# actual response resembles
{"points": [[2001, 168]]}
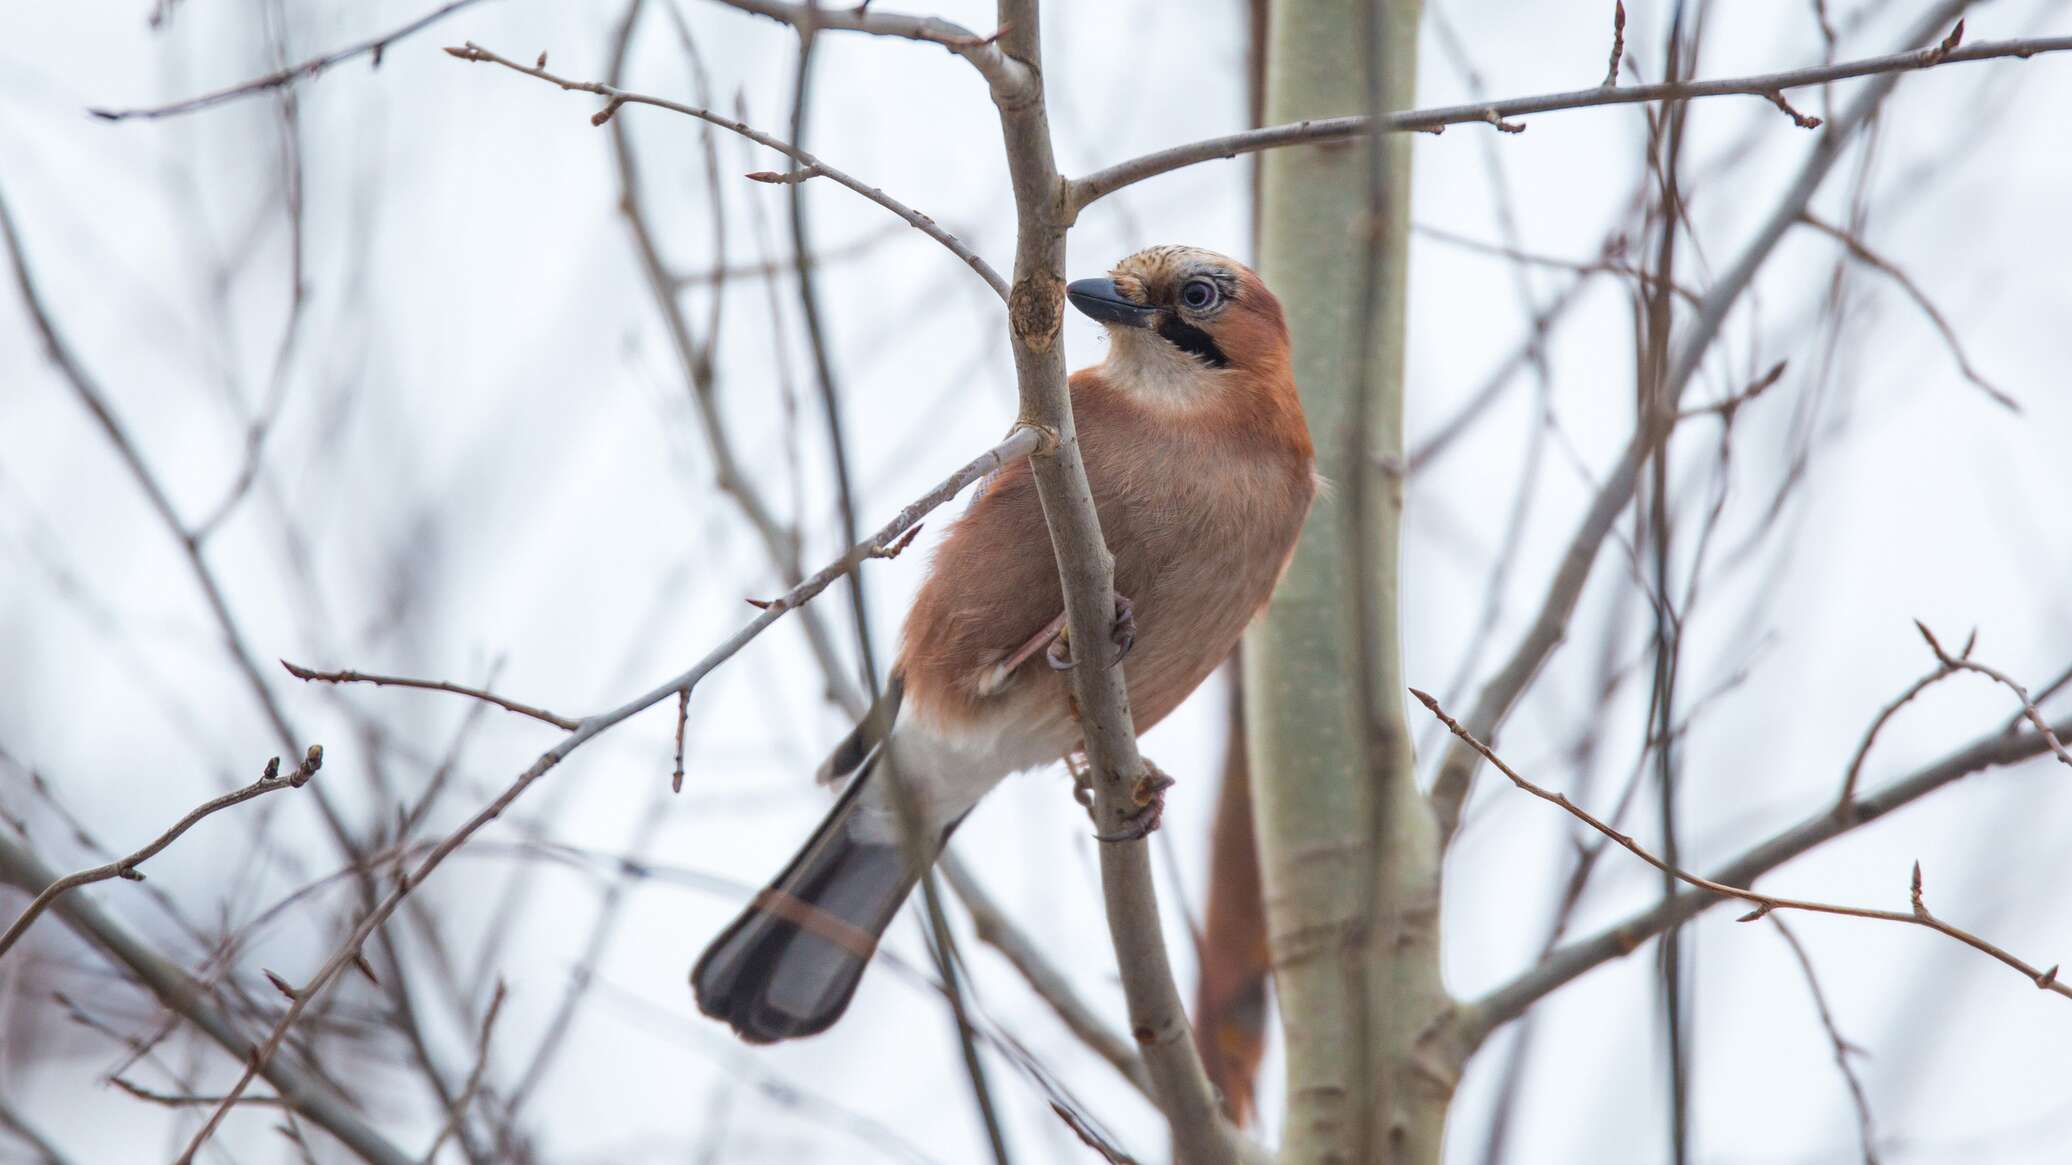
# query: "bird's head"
{"points": [[1174, 313]]}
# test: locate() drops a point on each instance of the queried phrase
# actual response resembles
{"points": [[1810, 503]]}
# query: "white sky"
{"points": [[490, 458]]}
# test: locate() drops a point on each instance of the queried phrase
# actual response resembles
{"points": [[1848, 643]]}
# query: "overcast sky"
{"points": [[487, 461]]}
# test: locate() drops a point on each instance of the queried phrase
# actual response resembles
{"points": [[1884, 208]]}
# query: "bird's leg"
{"points": [[1123, 632], [1149, 796], [995, 677]]}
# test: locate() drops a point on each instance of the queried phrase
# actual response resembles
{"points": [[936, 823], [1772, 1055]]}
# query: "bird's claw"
{"points": [[1149, 796], [1123, 632]]}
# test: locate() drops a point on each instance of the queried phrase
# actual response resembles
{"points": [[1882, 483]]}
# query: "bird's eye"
{"points": [[1200, 294]]}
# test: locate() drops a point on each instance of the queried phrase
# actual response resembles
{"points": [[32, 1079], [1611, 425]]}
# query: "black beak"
{"points": [[1100, 300]]}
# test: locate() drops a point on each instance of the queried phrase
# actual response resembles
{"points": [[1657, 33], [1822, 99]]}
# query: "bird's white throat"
{"points": [[1148, 367]]}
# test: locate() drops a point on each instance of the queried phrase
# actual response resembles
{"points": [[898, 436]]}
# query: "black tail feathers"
{"points": [[789, 964]]}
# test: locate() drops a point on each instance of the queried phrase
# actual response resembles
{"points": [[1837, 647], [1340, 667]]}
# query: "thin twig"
{"points": [[1725, 409], [1611, 72], [1843, 1049], [1611, 261], [616, 97], [683, 719], [1862, 253], [1962, 661], [459, 1111], [1854, 774], [356, 677], [126, 866], [183, 1099], [1085, 191], [289, 76], [993, 928], [1802, 120], [1002, 71]]}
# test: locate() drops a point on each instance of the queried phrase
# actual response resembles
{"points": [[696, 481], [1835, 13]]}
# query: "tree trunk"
{"points": [[1348, 848]]}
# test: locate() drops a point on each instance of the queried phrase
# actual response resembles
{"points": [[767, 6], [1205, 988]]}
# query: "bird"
{"points": [[1202, 472]]}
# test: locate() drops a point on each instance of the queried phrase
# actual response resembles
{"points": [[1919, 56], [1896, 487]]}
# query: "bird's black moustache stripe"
{"points": [[1192, 340]]}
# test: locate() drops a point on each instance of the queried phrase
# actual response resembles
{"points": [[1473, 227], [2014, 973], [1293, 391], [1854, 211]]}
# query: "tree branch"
{"points": [[1564, 965], [1763, 903], [95, 400], [488, 697], [459, 1112], [1457, 769], [615, 97], [282, 78], [996, 930], [182, 995], [1084, 191], [1963, 662], [1158, 1019], [984, 52], [1018, 444], [126, 867], [994, 927], [1865, 1126]]}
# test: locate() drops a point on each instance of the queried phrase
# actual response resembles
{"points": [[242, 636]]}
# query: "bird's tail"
{"points": [[789, 964]]}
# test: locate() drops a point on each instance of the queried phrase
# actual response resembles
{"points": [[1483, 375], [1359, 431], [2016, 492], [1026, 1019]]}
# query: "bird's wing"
{"points": [[854, 752]]}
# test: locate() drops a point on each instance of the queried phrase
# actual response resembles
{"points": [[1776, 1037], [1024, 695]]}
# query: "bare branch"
{"points": [[1725, 409], [1865, 1131], [282, 78], [616, 97], [459, 1111], [1763, 903], [1457, 769], [1802, 120], [126, 867], [1085, 191], [1019, 443], [182, 1099], [1611, 262], [996, 930], [696, 362], [95, 400], [1862, 253], [1854, 773], [1564, 965], [1002, 71], [1158, 1019], [1963, 662], [356, 677], [173, 988], [1611, 72]]}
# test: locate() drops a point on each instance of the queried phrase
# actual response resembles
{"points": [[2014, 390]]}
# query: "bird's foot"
{"points": [[1082, 781], [1148, 794], [1123, 633]]}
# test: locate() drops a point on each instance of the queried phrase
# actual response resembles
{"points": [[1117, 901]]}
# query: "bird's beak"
{"points": [[1100, 299]]}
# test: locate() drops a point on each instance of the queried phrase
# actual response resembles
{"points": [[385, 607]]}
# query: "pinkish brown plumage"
{"points": [[1201, 469]]}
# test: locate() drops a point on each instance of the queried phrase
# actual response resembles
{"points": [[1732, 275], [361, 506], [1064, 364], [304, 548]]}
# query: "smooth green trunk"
{"points": [[1348, 850]]}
